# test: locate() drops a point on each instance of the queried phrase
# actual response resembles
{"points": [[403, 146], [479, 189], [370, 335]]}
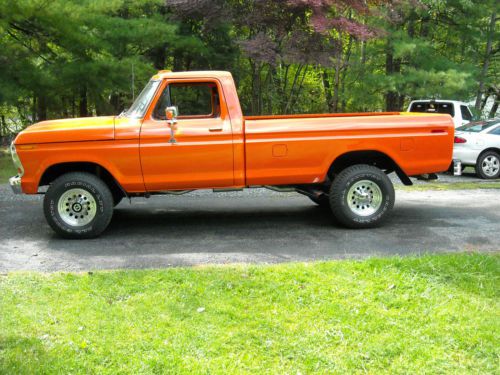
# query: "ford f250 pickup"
{"points": [[186, 131]]}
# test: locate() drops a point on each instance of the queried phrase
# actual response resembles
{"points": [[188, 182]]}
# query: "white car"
{"points": [[478, 144], [459, 111]]}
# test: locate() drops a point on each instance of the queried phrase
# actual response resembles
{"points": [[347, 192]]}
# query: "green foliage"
{"points": [[67, 58], [431, 314], [7, 168], [68, 54]]}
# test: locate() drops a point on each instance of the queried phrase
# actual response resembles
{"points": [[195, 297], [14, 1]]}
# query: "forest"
{"points": [[77, 58]]}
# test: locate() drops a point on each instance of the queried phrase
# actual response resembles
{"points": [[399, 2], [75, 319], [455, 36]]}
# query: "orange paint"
{"points": [[230, 150]]}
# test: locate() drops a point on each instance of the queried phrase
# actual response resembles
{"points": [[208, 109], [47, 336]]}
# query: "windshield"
{"points": [[477, 127], [138, 109]]}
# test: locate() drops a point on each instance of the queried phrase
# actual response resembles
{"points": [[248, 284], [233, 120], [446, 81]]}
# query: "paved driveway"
{"points": [[251, 226]]}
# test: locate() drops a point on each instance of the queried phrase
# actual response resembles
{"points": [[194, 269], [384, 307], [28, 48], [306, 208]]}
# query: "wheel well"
{"points": [[375, 158], [57, 170], [490, 149]]}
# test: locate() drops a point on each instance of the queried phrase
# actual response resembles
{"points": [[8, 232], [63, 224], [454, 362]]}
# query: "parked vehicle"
{"points": [[459, 111], [186, 131], [478, 144]]}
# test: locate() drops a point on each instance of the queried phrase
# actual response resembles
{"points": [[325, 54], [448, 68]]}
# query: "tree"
{"points": [[70, 57]]}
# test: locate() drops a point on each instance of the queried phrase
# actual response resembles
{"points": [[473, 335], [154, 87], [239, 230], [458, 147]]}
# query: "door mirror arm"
{"points": [[171, 114]]}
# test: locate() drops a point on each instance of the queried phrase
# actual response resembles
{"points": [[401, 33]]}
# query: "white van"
{"points": [[458, 110]]}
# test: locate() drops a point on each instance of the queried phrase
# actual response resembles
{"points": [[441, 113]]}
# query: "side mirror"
{"points": [[171, 113]]}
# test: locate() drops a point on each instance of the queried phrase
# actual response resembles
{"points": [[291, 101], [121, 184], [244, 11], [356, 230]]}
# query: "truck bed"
{"points": [[300, 148]]}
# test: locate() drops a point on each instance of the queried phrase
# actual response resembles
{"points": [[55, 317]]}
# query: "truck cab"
{"points": [[459, 111]]}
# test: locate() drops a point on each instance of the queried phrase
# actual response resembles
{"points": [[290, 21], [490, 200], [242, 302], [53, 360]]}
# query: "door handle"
{"points": [[215, 129]]}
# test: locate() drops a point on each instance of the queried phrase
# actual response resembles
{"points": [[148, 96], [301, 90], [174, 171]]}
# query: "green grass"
{"points": [[451, 186], [430, 314], [7, 168]]}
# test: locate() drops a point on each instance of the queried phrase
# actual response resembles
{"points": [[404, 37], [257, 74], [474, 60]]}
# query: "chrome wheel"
{"points": [[490, 165], [77, 207], [364, 198]]}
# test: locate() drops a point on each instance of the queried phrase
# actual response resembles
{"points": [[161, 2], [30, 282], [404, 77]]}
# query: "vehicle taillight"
{"points": [[460, 140]]}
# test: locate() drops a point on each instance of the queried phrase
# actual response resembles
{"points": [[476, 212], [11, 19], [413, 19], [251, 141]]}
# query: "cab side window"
{"points": [[192, 99], [496, 131], [466, 115]]}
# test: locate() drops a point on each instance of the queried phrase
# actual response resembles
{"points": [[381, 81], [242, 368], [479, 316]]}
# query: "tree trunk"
{"points": [[494, 108], [158, 55], [299, 90], [41, 108], [328, 90], [33, 109], [83, 102], [272, 89], [255, 100], [486, 62], [393, 101], [294, 83], [3, 127]]}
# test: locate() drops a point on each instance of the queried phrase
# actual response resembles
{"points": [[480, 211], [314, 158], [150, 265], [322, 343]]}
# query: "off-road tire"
{"points": [[92, 185], [339, 191]]}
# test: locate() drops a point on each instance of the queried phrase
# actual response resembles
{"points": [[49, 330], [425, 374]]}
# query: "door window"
{"points": [[193, 100]]}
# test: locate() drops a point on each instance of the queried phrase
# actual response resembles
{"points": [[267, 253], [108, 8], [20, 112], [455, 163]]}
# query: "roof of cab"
{"points": [[162, 74]]}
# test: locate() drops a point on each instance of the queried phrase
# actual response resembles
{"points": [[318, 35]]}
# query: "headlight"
{"points": [[16, 160]]}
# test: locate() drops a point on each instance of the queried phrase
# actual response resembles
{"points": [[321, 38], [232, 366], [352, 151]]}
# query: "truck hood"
{"points": [[69, 130]]}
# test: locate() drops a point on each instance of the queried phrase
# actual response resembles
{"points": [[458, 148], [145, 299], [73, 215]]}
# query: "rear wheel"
{"points": [[361, 196], [488, 165], [78, 205]]}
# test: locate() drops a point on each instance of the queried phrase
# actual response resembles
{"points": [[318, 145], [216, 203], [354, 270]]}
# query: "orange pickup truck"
{"points": [[186, 131]]}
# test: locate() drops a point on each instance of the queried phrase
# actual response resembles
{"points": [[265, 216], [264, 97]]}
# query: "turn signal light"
{"points": [[460, 140]]}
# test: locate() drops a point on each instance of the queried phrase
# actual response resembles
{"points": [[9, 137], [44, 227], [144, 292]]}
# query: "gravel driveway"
{"points": [[255, 225]]}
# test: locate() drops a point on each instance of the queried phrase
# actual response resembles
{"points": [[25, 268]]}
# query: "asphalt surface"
{"points": [[255, 225]]}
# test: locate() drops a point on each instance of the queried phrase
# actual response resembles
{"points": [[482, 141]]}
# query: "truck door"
{"points": [[202, 154]]}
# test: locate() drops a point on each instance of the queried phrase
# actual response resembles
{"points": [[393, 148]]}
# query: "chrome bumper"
{"points": [[15, 184]]}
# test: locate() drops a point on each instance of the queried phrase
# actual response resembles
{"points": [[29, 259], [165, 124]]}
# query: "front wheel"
{"points": [[361, 196], [78, 205]]}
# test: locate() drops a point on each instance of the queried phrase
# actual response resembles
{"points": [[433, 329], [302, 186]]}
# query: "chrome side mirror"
{"points": [[171, 114]]}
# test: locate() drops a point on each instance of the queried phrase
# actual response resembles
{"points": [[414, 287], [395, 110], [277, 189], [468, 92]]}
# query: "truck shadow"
{"points": [[294, 228]]}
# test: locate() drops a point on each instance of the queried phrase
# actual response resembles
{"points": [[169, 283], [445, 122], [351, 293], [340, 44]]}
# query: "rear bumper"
{"points": [[15, 184]]}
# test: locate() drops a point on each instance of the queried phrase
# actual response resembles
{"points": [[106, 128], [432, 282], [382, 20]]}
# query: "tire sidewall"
{"points": [[479, 166], [91, 229], [340, 199]]}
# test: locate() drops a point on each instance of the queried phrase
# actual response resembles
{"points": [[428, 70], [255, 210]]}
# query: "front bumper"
{"points": [[15, 184]]}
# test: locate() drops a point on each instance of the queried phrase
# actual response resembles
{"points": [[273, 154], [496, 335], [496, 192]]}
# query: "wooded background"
{"points": [[70, 58]]}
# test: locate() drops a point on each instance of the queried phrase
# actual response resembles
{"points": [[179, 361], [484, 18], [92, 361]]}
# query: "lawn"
{"points": [[495, 184], [6, 166], [429, 314]]}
